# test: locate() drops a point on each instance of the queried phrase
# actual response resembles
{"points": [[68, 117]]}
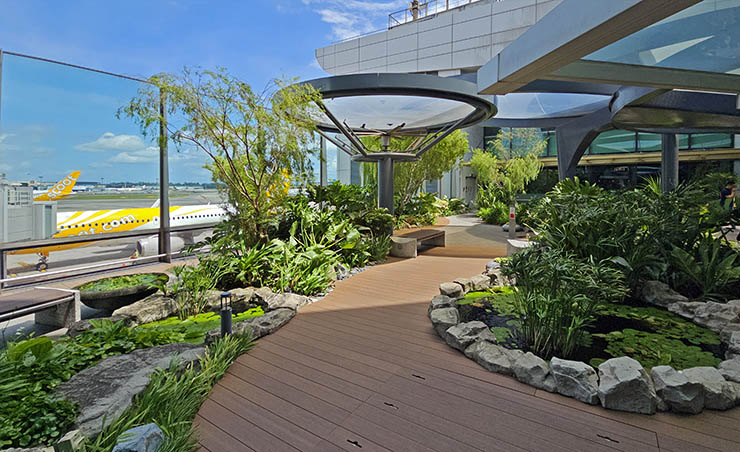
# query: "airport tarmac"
{"points": [[133, 200]]}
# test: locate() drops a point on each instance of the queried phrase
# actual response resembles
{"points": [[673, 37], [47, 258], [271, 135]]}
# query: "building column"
{"points": [[385, 184], [669, 162]]}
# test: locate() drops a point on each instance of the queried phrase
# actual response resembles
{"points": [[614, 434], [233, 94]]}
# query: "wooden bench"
{"points": [[408, 244], [53, 307]]}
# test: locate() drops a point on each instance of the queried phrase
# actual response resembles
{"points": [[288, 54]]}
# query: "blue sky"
{"points": [[56, 119]]}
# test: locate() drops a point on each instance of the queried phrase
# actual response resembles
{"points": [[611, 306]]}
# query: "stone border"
{"points": [[621, 383]]}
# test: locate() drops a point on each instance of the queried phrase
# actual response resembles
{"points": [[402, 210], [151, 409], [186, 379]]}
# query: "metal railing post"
{"points": [[164, 183]]}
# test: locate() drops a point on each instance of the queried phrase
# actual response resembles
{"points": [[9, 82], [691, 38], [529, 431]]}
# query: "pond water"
{"points": [[650, 335]]}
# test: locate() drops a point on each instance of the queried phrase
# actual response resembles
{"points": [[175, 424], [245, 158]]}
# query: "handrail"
{"points": [[17, 246], [420, 10]]}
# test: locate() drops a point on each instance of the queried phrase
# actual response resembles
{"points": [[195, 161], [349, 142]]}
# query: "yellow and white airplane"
{"points": [[92, 222]]}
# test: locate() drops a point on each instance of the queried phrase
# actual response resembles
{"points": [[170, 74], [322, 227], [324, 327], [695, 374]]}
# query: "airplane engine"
{"points": [[150, 245]]}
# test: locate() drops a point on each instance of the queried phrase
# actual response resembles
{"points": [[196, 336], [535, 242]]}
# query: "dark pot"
{"points": [[110, 300]]}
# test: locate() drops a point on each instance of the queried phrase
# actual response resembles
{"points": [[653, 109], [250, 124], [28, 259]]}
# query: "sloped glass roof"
{"points": [[704, 37], [548, 105]]}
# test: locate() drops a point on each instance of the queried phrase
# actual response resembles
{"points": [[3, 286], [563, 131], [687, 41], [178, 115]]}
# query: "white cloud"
{"points": [[5, 136], [146, 155], [112, 142], [349, 18], [5, 167]]}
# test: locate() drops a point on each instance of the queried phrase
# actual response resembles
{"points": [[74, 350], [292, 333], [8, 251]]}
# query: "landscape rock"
{"points": [[256, 326], [625, 386], [575, 379], [444, 318], [660, 294], [466, 283], [441, 301], [32, 449], [733, 346], [494, 358], [463, 334], [262, 293], [676, 391], [286, 300], [109, 387], [497, 278], [730, 369], [145, 438], [480, 282], [726, 334], [70, 442], [534, 371], [712, 315], [718, 393], [150, 309], [341, 272], [492, 265], [452, 290]]}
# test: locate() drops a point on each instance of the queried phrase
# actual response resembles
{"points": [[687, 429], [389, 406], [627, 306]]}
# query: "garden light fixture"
{"points": [[225, 313]]}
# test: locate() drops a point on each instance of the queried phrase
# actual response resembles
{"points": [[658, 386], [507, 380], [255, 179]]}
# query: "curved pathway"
{"points": [[363, 370]]}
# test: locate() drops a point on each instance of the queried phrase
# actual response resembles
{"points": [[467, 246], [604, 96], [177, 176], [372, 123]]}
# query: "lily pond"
{"points": [[648, 334], [196, 327]]}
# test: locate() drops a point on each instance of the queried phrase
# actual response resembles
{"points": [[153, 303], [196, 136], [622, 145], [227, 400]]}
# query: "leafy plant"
{"points": [[558, 297], [191, 288], [711, 269], [194, 328], [497, 213]]}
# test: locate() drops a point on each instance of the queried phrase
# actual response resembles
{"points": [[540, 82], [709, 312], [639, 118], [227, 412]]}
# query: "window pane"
{"points": [[650, 142], [614, 142], [711, 140]]}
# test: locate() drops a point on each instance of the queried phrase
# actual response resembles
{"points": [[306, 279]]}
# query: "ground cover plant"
{"points": [[194, 328], [29, 415], [120, 282]]}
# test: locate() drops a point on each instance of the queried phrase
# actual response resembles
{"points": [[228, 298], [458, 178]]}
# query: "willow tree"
{"points": [[408, 177], [508, 165], [255, 142]]}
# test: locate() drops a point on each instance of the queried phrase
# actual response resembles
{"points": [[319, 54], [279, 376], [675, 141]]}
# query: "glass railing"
{"points": [[419, 10]]}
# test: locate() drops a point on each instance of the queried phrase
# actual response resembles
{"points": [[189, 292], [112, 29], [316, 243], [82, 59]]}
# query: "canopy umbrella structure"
{"points": [[395, 105]]}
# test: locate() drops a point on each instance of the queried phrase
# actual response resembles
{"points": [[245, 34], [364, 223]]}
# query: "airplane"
{"points": [[60, 190], [93, 222]]}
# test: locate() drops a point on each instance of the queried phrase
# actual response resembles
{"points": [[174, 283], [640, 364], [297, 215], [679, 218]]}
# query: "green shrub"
{"points": [[191, 288], [420, 210], [558, 297], [498, 214], [709, 270]]}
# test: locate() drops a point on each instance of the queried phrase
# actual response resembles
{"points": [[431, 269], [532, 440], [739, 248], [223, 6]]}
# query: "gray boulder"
{"points": [[575, 379], [712, 315], [730, 369], [444, 318], [441, 301], [32, 449], [718, 393], [676, 391], [492, 265], [256, 327], [534, 371], [625, 386], [494, 358], [480, 282], [660, 294], [463, 334], [452, 290], [466, 283], [286, 300], [726, 334], [108, 388], [733, 345], [144, 438], [150, 309]]}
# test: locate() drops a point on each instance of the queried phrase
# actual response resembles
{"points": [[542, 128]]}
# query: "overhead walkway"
{"points": [[363, 370]]}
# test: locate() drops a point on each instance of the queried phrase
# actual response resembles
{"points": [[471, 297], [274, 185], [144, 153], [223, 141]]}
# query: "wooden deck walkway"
{"points": [[362, 370]]}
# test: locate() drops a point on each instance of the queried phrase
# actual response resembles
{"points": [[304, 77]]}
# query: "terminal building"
{"points": [[640, 50]]}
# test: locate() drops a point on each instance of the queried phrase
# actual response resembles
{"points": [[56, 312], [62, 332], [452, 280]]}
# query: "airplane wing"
{"points": [[61, 189]]}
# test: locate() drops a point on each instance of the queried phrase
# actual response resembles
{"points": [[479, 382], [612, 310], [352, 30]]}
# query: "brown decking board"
{"points": [[364, 365]]}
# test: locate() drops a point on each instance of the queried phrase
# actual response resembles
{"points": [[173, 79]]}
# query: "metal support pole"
{"points": [[164, 183], [385, 184], [669, 162], [323, 177]]}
